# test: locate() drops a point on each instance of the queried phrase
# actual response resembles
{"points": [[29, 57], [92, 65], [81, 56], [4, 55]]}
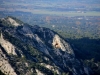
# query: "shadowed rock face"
{"points": [[37, 50]]}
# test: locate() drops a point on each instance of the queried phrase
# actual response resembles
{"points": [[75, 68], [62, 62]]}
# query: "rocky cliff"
{"points": [[30, 50]]}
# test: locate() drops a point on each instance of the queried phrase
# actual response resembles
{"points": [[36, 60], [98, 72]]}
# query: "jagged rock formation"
{"points": [[11, 21], [5, 66], [36, 50], [9, 48], [61, 44]]}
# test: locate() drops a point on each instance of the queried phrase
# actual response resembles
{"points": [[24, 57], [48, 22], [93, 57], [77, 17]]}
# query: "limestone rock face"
{"points": [[9, 48], [5, 66], [61, 44], [39, 72], [13, 22], [57, 43]]}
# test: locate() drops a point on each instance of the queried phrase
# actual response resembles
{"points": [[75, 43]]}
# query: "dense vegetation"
{"points": [[86, 48]]}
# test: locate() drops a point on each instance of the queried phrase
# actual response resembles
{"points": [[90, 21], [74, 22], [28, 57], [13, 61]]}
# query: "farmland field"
{"points": [[53, 8]]}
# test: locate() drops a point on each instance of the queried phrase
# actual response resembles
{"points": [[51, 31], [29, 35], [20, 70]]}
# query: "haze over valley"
{"points": [[50, 37]]}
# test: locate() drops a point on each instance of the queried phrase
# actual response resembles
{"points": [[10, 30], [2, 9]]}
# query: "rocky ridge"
{"points": [[36, 50]]}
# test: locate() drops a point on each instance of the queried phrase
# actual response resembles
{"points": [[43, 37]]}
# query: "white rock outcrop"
{"points": [[9, 48], [5, 66], [59, 43], [12, 21], [39, 72]]}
